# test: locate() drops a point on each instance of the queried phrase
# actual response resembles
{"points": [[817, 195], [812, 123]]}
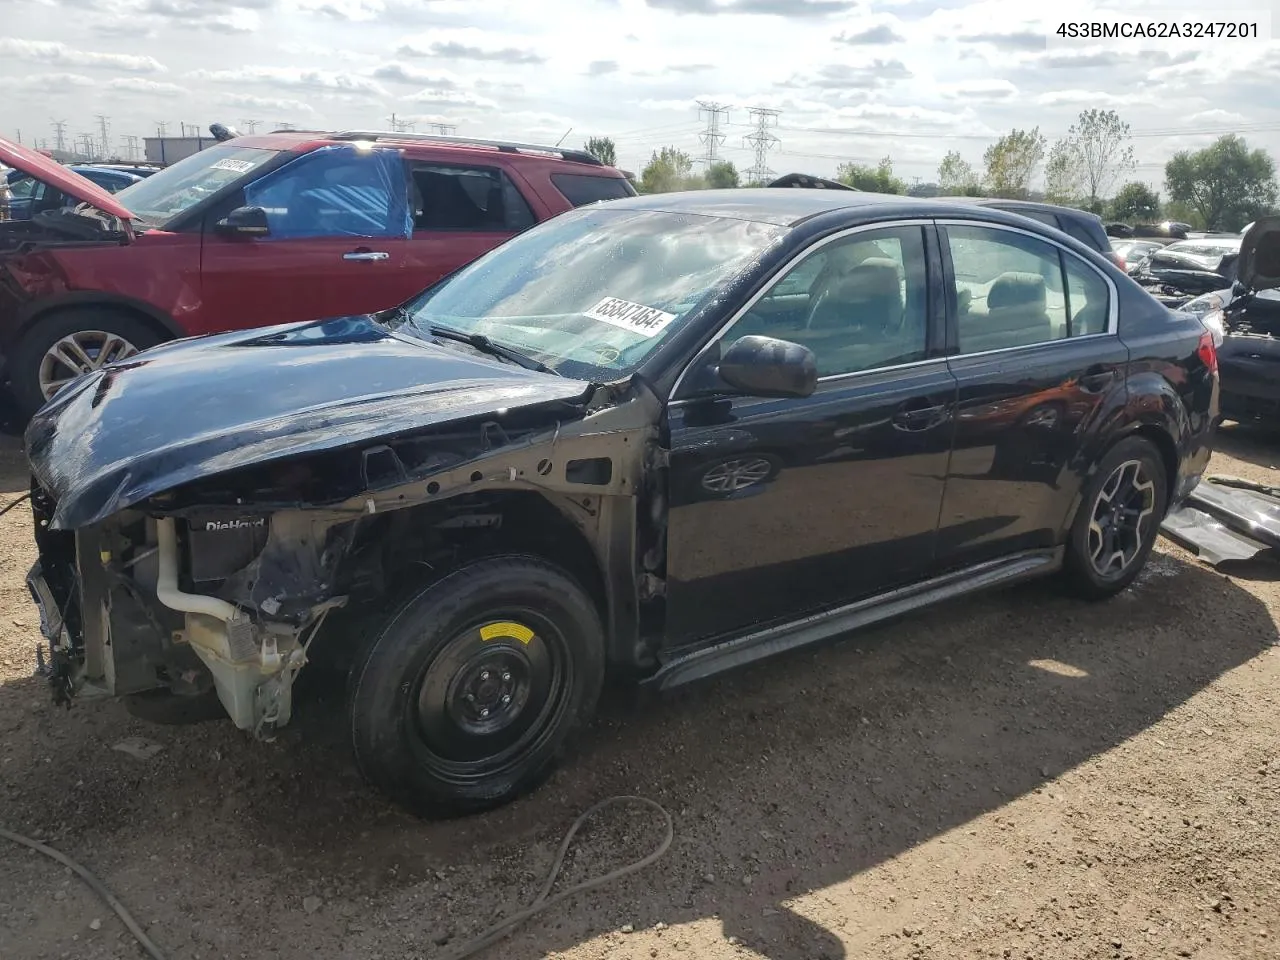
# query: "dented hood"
{"points": [[200, 407], [47, 170]]}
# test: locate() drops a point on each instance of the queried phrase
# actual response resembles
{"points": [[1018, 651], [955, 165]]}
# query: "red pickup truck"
{"points": [[260, 230]]}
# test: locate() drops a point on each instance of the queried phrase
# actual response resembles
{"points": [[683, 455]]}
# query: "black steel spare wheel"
{"points": [[469, 694], [1119, 518]]}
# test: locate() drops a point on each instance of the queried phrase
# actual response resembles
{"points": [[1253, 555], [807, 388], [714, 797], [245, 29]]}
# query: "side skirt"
{"points": [[750, 647]]}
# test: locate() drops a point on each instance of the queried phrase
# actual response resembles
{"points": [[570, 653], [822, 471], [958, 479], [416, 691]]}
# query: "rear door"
{"points": [[460, 210], [338, 243], [1034, 349]]}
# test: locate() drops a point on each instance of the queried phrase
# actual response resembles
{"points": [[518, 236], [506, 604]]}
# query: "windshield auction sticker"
{"points": [[236, 166], [636, 317]]}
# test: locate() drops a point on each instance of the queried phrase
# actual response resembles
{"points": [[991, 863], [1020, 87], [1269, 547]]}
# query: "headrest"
{"points": [[1016, 290], [873, 277]]}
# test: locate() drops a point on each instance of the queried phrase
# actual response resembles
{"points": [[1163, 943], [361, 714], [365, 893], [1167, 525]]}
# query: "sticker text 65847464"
{"points": [[636, 317]]}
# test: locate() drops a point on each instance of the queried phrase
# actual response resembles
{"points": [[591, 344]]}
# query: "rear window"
{"points": [[580, 190]]}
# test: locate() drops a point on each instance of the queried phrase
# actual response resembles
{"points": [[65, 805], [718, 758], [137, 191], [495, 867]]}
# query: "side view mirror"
{"points": [[765, 367], [245, 222]]}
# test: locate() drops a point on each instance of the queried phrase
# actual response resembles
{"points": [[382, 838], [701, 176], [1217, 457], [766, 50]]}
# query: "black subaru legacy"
{"points": [[655, 438]]}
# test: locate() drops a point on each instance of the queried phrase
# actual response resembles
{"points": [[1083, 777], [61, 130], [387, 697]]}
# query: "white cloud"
{"points": [[470, 44], [1091, 98], [447, 99], [59, 54], [291, 78], [53, 82], [146, 87], [251, 101], [979, 90], [407, 73]]}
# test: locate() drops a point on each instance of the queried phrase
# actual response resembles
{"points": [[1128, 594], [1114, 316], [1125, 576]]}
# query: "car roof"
{"points": [[788, 207], [302, 141], [1009, 204]]}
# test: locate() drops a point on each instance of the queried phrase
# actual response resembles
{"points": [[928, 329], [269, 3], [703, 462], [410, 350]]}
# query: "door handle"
{"points": [[919, 414], [366, 255], [1097, 378]]}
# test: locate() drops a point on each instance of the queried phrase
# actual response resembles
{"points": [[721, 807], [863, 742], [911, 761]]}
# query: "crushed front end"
{"points": [[187, 603]]}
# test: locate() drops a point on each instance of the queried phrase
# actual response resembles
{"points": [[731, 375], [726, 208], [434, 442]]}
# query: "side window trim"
{"points": [[784, 269], [953, 331]]}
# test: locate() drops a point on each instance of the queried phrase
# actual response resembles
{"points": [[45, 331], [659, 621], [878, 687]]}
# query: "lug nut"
{"points": [[506, 678], [484, 712], [484, 674], [506, 698]]}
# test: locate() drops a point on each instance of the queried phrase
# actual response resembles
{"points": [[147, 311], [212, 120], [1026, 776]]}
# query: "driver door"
{"points": [[339, 225], [782, 507]]}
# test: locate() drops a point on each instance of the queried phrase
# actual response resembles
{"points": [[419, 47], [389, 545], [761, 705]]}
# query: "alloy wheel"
{"points": [[1121, 519], [79, 353], [733, 475]]}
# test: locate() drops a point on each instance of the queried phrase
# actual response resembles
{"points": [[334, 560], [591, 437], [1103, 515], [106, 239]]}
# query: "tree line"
{"points": [[1222, 187]]}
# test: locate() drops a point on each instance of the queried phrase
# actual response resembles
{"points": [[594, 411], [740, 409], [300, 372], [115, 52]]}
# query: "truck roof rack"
{"points": [[505, 146]]}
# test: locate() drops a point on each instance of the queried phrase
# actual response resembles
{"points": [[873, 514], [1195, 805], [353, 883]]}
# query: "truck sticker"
{"points": [[636, 317]]}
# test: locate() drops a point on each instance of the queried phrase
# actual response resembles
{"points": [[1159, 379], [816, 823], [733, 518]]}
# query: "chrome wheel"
{"points": [[732, 475], [79, 353], [1121, 519]]}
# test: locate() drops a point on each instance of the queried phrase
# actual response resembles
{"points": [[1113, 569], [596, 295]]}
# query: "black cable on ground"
{"points": [[542, 901], [95, 885], [486, 939], [10, 506]]}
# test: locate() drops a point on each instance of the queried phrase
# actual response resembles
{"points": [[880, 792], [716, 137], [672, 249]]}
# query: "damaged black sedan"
{"points": [[653, 439]]}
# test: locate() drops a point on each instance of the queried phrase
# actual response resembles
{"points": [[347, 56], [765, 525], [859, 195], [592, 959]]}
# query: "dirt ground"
{"points": [[1018, 775]]}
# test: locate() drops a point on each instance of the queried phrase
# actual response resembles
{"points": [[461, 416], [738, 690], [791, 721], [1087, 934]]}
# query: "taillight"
{"points": [[1117, 260], [1208, 353]]}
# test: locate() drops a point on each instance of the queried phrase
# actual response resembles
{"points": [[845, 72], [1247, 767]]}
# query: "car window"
{"points": [[108, 181], [1088, 298], [26, 188], [862, 303], [449, 197], [1042, 216], [338, 191], [580, 189], [1008, 289], [179, 187]]}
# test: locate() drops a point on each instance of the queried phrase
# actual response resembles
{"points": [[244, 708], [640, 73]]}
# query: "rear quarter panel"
{"points": [[1169, 388]]}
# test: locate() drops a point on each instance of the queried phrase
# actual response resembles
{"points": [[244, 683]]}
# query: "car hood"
{"points": [[47, 170], [196, 408], [1259, 264]]}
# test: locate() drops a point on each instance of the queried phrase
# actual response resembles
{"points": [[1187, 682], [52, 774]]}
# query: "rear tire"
{"points": [[1118, 520], [47, 351], [468, 696]]}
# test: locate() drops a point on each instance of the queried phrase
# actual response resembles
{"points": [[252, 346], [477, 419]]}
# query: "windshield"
{"points": [[593, 292], [174, 189]]}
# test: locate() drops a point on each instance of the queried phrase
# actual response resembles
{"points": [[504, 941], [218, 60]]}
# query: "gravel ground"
{"points": [[1018, 775]]}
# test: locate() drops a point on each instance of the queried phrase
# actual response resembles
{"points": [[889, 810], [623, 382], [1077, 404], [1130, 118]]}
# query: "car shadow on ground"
{"points": [[783, 779], [1255, 443]]}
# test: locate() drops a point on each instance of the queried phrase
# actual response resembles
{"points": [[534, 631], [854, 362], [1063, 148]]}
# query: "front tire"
{"points": [[1119, 519], [468, 696]]}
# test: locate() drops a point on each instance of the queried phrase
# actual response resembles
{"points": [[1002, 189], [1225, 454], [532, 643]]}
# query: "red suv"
{"points": [[260, 230]]}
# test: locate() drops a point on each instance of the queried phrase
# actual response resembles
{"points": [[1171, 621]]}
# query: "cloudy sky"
{"points": [[853, 79]]}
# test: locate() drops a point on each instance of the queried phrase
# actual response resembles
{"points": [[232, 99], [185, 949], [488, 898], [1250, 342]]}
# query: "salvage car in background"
{"points": [[257, 230], [30, 196], [515, 462]]}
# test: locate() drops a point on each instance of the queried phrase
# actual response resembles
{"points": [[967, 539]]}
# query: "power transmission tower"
{"points": [[711, 138], [130, 146], [401, 126], [162, 127], [284, 124], [250, 125], [103, 127], [59, 134], [444, 129], [762, 140], [85, 145]]}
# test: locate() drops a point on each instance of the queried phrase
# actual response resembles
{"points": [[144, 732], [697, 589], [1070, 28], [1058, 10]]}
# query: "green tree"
{"points": [[1227, 184], [1011, 162], [668, 169], [603, 149], [956, 176], [1064, 174], [877, 179], [722, 174], [1100, 143], [1136, 203]]}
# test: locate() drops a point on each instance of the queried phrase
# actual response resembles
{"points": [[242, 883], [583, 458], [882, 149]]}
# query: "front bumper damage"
{"points": [[1226, 519]]}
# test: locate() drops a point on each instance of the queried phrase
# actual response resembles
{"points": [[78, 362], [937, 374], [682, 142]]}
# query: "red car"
{"points": [[260, 230]]}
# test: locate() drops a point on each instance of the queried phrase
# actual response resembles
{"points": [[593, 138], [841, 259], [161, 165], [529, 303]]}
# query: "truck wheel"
{"points": [[1119, 519], [67, 343], [468, 696]]}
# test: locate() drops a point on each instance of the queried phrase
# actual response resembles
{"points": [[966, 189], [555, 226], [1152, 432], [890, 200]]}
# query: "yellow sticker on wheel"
{"points": [[513, 631]]}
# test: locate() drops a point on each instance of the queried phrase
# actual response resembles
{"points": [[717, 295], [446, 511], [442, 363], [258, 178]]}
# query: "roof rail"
{"points": [[505, 146]]}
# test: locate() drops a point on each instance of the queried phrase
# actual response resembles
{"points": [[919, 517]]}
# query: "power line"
{"points": [[711, 137], [762, 141], [250, 125]]}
